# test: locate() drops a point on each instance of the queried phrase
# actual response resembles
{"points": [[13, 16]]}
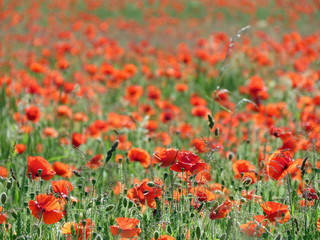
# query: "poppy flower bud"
{"points": [[156, 235], [32, 195], [243, 200], [165, 175], [14, 213], [39, 172], [211, 121], [84, 222], [93, 181], [3, 198], [110, 207], [169, 230], [80, 186], [125, 202], [9, 183], [151, 184], [216, 132], [98, 237], [198, 230], [223, 236]]}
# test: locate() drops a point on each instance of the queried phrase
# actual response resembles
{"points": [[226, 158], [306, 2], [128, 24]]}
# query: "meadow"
{"points": [[159, 119]]}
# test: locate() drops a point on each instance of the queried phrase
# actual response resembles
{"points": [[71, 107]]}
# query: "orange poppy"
{"points": [[33, 114], [189, 162], [79, 229], [20, 148], [46, 207], [3, 216], [64, 111], [310, 193], [3, 172], [221, 211], [166, 157], [39, 163], [276, 211], [62, 187], [78, 139], [50, 132], [139, 155], [95, 162], [253, 228], [280, 163], [126, 227], [62, 169], [200, 111], [203, 194], [143, 193], [242, 166]]}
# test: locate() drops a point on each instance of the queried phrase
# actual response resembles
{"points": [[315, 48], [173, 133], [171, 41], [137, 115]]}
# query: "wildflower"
{"points": [[3, 216], [33, 114], [3, 172], [242, 166], [95, 162], [62, 187], [47, 208], [139, 155], [39, 163], [62, 169], [166, 157], [310, 193], [126, 228], [189, 162], [221, 211], [20, 148], [279, 164], [276, 211], [253, 228], [82, 230], [78, 139]]}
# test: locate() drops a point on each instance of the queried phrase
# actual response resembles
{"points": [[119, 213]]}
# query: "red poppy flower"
{"points": [[280, 163], [310, 193], [221, 211], [46, 207], [189, 162], [80, 229], [33, 114], [242, 166], [95, 162], [3, 216], [20, 148], [62, 169], [166, 157], [139, 155], [145, 193], [203, 194], [276, 211], [78, 139], [126, 227], [35, 164], [3, 172], [253, 228], [62, 187]]}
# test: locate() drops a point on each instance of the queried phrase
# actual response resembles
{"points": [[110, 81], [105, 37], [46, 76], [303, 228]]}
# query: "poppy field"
{"points": [[159, 119]]}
